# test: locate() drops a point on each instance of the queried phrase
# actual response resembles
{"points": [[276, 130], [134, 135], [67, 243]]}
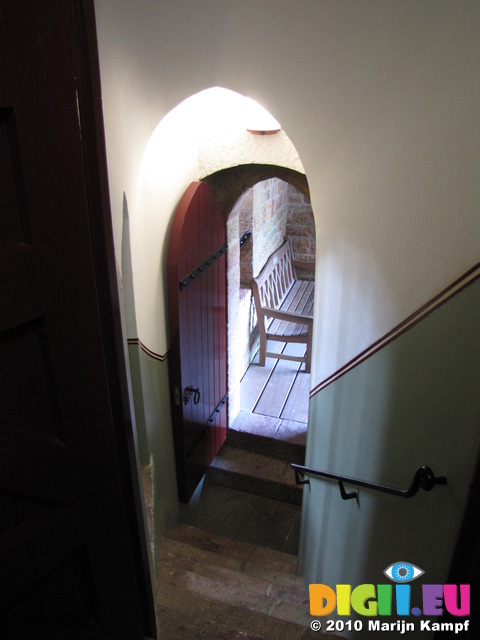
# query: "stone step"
{"points": [[230, 552], [256, 578], [244, 516], [257, 571], [237, 589], [184, 615], [255, 473], [277, 447], [182, 625], [208, 593]]}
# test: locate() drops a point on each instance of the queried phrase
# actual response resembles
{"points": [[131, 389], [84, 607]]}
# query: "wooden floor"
{"points": [[280, 389]]}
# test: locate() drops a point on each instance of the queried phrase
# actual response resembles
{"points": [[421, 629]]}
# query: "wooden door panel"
{"points": [[61, 598], [28, 399], [46, 459], [14, 227], [66, 560], [31, 541], [197, 321]]}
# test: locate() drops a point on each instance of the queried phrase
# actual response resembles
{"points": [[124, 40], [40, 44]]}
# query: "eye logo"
{"points": [[380, 600], [403, 572]]}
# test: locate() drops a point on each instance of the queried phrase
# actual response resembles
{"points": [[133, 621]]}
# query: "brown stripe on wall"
{"points": [[449, 292], [145, 349]]}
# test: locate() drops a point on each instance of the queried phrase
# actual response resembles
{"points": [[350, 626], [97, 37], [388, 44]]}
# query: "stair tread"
{"points": [[233, 549], [234, 589], [256, 465], [287, 443], [259, 576], [183, 613], [255, 473], [175, 625]]}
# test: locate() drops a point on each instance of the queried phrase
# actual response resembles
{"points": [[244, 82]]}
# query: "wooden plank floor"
{"points": [[280, 389]]}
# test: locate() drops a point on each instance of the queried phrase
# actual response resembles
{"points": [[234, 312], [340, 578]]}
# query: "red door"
{"points": [[70, 547], [197, 308]]}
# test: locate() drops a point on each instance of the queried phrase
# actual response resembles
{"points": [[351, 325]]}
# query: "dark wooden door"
{"points": [[197, 307], [69, 540]]}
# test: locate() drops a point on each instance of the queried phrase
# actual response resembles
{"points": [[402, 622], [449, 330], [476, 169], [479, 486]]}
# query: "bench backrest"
{"points": [[275, 280]]}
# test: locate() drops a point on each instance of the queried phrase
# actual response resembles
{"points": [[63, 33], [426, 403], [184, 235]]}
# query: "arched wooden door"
{"points": [[197, 323]]}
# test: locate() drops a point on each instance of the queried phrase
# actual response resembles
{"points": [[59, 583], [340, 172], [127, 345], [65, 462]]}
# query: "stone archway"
{"points": [[229, 184]]}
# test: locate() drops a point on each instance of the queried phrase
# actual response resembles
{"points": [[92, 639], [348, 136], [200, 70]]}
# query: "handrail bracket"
{"points": [[300, 477], [347, 495]]}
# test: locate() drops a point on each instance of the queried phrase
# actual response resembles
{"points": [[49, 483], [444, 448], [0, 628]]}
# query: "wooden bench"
{"points": [[284, 305]]}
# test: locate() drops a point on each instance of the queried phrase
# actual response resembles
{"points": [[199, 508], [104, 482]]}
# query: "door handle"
{"points": [[187, 394]]}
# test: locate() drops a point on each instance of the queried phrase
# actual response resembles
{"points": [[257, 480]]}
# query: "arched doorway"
{"points": [[197, 301], [201, 139], [270, 202]]}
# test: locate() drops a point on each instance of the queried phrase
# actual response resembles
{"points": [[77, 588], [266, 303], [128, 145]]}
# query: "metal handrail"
{"points": [[424, 478]]}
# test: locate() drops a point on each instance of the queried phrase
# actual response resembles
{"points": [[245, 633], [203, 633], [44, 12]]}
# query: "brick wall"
{"points": [[244, 209], [300, 225], [270, 208]]}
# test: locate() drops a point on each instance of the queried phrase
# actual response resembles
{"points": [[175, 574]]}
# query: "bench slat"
{"points": [[277, 288], [300, 301]]}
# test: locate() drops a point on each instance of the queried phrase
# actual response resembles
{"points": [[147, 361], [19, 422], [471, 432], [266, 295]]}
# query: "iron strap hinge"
{"points": [[201, 268], [206, 426]]}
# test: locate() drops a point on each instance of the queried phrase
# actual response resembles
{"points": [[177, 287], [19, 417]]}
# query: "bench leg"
{"points": [[308, 353], [308, 364], [262, 354]]}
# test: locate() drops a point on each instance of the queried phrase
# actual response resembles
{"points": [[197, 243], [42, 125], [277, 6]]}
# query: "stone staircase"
{"points": [[228, 568], [210, 586]]}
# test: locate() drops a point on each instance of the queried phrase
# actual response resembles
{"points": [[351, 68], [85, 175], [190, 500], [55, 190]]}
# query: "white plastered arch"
{"points": [[204, 134]]}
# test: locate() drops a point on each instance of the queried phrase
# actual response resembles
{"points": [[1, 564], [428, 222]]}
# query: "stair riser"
{"points": [[257, 486], [229, 551], [287, 451]]}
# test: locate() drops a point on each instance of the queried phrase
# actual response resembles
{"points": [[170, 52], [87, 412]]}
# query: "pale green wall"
{"points": [[414, 402], [134, 355], [152, 402]]}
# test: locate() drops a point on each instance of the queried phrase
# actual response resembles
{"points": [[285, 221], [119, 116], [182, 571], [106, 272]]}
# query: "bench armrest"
{"points": [[288, 316]]}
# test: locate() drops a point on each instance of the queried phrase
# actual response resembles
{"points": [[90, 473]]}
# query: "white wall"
{"points": [[380, 100]]}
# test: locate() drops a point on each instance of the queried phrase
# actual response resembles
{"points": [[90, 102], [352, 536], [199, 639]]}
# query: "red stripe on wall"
{"points": [[449, 292], [149, 352]]}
